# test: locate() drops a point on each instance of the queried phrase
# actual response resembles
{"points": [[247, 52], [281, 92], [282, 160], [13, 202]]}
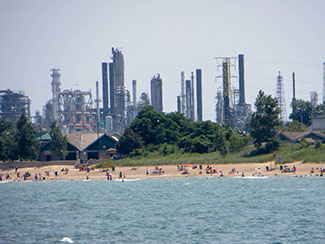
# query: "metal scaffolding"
{"points": [[14, 104], [76, 111], [227, 65]]}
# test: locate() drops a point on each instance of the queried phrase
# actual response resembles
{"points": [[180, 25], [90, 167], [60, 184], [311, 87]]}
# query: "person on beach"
{"points": [[120, 174], [147, 171]]}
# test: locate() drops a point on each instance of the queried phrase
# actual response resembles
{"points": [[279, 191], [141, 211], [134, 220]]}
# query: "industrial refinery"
{"points": [[231, 107], [14, 104], [79, 111]]}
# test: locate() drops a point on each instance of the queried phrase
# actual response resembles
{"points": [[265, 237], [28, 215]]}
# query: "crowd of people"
{"points": [[59, 173]]}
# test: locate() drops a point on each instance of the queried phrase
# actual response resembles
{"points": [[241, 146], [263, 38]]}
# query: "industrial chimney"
{"points": [[241, 79]]}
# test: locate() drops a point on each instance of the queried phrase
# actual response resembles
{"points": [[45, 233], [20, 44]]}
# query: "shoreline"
{"points": [[47, 173]]}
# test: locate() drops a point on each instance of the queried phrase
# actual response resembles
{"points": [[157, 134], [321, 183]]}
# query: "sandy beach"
{"points": [[226, 170]]}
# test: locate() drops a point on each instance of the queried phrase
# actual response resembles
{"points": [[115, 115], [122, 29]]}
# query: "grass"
{"points": [[288, 152]]}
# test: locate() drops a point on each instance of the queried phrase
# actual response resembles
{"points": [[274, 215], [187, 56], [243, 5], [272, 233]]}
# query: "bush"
{"points": [[303, 144]]}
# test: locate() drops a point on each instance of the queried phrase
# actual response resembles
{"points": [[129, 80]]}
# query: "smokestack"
{"points": [[192, 97], [111, 87], [182, 92], [134, 95], [199, 94], [105, 88], [188, 98], [241, 79], [97, 104], [294, 86], [179, 104], [324, 82]]}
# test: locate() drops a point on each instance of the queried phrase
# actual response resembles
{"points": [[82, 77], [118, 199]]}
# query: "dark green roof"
{"points": [[43, 136]]}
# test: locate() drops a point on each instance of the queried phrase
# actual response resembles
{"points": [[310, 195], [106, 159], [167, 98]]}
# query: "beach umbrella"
{"points": [[188, 165]]}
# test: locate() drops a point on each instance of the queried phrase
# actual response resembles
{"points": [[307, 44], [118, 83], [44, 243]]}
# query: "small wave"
{"points": [[254, 177], [127, 180], [66, 239], [7, 181]]}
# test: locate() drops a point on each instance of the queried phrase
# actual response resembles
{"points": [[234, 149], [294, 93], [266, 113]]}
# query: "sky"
{"points": [[165, 37]]}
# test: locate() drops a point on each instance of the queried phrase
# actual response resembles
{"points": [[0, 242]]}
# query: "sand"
{"points": [[249, 169]]}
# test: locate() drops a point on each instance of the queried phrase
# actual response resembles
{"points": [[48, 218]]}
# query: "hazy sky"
{"points": [[165, 37]]}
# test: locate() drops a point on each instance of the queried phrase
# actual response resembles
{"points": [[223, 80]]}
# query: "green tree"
{"points": [[302, 111], [237, 142], [265, 122], [59, 142], [27, 144], [166, 133], [294, 126], [221, 143], [8, 145], [129, 142], [319, 110]]}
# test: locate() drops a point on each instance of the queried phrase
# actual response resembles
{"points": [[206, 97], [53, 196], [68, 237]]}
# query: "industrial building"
{"points": [[56, 89], [314, 98], [114, 94], [185, 102], [133, 107], [119, 107], [231, 108], [14, 104], [143, 101], [76, 111], [243, 111], [117, 91], [72, 109], [189, 106], [156, 93]]}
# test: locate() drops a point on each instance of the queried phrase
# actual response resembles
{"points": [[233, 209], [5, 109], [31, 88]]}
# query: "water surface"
{"points": [[181, 210]]}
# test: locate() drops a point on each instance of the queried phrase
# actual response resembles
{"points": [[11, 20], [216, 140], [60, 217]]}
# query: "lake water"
{"points": [[181, 210]]}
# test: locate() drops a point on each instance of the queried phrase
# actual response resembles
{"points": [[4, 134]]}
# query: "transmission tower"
{"points": [[281, 98]]}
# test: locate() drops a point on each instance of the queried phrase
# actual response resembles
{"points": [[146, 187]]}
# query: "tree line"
{"points": [[18, 141], [304, 111], [170, 132], [173, 131]]}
